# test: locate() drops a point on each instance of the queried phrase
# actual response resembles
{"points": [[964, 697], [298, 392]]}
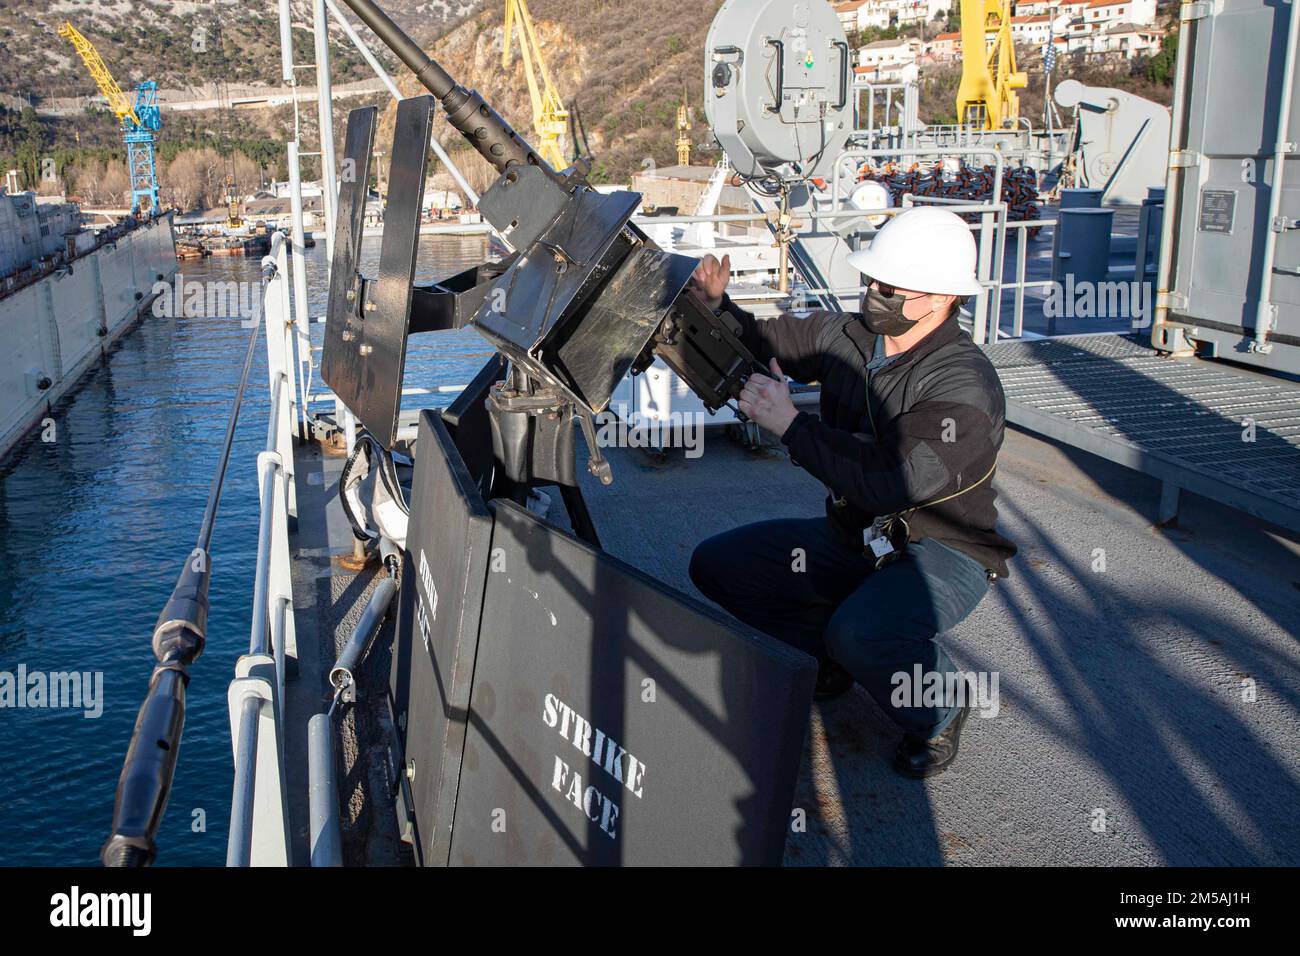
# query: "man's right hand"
{"points": [[710, 279]]}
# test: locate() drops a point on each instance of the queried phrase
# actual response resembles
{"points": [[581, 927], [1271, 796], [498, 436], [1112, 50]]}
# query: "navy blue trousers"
{"points": [[795, 580]]}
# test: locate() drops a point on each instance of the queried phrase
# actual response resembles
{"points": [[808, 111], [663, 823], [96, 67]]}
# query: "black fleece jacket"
{"points": [[923, 427]]}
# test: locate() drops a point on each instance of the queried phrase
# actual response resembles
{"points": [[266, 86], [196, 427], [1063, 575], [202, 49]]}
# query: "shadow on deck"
{"points": [[1125, 733], [1149, 677]]}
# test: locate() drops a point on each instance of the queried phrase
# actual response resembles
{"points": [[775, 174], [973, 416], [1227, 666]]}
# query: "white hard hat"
{"points": [[925, 249]]}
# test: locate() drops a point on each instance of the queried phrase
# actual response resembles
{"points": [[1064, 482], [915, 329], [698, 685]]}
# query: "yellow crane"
{"points": [[550, 118], [232, 207], [118, 101], [683, 130], [987, 98]]}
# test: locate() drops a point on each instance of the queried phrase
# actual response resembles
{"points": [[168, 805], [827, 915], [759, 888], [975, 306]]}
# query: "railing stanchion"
{"points": [[1022, 254], [259, 821]]}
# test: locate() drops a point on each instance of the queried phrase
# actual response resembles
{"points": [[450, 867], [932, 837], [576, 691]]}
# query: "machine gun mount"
{"points": [[585, 298]]}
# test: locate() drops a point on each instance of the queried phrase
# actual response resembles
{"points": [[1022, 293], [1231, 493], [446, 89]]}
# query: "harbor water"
{"points": [[97, 511]]}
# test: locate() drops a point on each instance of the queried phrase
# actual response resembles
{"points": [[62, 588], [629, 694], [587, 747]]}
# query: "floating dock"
{"points": [[60, 325]]}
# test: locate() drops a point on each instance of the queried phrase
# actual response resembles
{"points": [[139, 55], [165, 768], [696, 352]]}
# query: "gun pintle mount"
{"points": [[585, 297]]}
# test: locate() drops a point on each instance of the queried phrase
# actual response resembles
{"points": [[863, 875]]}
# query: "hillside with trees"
{"points": [[622, 69], [176, 43]]}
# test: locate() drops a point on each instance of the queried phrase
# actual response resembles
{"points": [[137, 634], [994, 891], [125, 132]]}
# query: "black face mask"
{"points": [[883, 314]]}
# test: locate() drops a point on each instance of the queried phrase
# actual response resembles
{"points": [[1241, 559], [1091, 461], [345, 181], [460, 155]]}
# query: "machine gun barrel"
{"points": [[487, 132]]}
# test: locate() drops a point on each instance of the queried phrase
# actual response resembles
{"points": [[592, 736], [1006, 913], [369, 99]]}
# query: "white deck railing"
{"points": [[259, 811]]}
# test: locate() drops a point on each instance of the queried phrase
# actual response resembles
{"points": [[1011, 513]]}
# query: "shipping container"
{"points": [[1230, 250]]}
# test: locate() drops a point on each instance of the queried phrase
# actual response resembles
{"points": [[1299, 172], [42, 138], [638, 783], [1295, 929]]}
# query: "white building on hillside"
{"points": [[945, 47], [1073, 9], [916, 11], [1126, 41], [1140, 12], [1104, 13], [857, 15], [848, 14], [890, 53], [1118, 41], [887, 73], [1034, 31]]}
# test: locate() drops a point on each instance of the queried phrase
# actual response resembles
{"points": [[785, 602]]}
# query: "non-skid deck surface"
{"points": [[1224, 432], [1148, 711]]}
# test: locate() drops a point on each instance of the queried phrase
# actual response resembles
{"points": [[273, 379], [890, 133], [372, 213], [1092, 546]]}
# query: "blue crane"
{"points": [[139, 121]]}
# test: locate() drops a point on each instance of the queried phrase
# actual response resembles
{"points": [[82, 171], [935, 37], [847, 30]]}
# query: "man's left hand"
{"points": [[767, 401]]}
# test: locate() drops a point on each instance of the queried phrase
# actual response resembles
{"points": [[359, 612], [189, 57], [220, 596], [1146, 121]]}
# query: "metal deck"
{"points": [[1222, 432], [1125, 734]]}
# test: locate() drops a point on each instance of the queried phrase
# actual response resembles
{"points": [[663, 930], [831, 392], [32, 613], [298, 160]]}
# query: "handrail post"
{"points": [[272, 580], [325, 120], [259, 808], [280, 581], [239, 843], [983, 299], [301, 311], [1022, 255], [286, 332], [279, 362], [257, 641]]}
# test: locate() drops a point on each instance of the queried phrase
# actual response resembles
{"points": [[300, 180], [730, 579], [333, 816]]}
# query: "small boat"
{"points": [[225, 247], [257, 246]]}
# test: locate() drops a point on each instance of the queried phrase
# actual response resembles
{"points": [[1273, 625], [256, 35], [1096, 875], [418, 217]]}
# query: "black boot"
{"points": [[832, 681], [918, 757]]}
